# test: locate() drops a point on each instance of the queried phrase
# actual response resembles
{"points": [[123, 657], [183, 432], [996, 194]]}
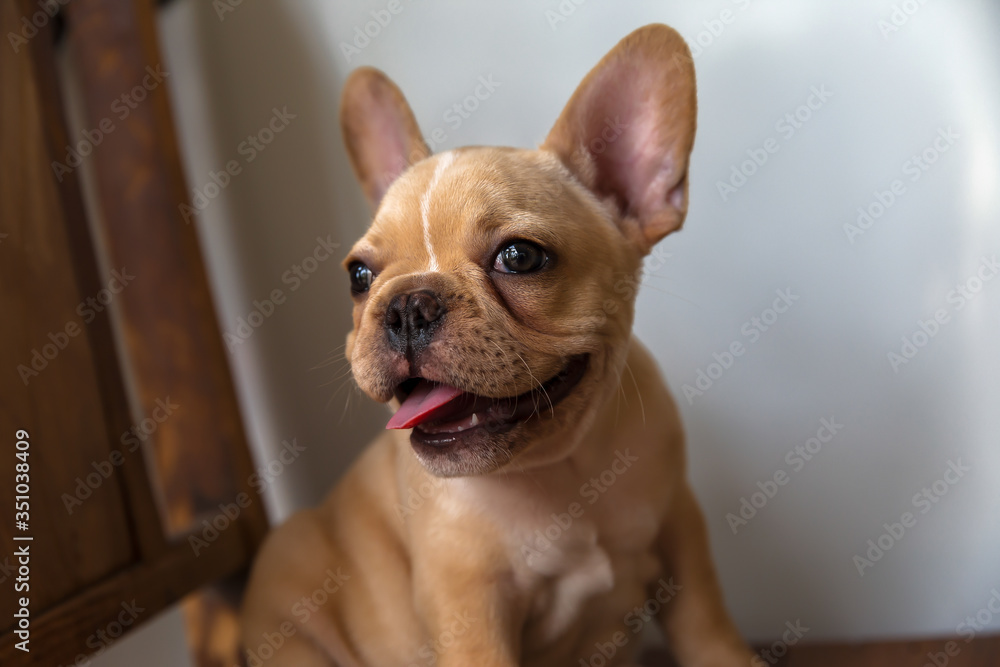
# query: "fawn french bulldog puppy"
{"points": [[493, 301]]}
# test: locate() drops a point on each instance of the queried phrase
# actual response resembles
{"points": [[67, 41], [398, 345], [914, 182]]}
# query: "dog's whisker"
{"points": [[669, 293], [638, 393], [539, 385], [333, 357]]}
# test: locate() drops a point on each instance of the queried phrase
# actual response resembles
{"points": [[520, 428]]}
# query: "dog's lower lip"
{"points": [[499, 415]]}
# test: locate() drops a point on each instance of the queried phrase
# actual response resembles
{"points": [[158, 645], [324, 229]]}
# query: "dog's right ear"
{"points": [[380, 132]]}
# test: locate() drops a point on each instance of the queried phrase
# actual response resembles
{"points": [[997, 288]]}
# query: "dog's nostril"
{"points": [[395, 314], [422, 309], [411, 320]]}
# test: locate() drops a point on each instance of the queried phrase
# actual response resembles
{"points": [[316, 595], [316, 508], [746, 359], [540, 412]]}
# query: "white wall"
{"points": [[826, 357]]}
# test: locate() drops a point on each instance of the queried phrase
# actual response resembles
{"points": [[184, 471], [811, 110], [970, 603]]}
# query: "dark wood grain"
{"points": [[955, 652], [981, 652], [74, 627], [162, 344], [61, 407], [169, 334]]}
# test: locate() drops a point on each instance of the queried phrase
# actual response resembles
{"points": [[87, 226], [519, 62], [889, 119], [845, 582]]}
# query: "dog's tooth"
{"points": [[475, 419]]}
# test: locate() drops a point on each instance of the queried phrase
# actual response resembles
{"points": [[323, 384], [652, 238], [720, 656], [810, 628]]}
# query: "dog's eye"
{"points": [[520, 257], [361, 277]]}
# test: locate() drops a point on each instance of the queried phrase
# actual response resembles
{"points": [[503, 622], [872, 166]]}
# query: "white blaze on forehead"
{"points": [[425, 201]]}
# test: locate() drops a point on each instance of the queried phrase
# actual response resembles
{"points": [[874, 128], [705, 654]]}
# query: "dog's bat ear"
{"points": [[380, 132], [627, 131]]}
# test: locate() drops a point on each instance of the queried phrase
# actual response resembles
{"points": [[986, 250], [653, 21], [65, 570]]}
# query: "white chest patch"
{"points": [[444, 161], [582, 578]]}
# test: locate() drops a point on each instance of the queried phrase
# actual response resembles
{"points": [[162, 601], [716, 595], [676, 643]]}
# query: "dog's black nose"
{"points": [[411, 320]]}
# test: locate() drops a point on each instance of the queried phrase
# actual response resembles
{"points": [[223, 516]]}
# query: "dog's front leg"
{"points": [[700, 631], [467, 607]]}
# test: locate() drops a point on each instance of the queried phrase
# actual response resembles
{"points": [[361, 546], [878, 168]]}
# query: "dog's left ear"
{"points": [[628, 130]]}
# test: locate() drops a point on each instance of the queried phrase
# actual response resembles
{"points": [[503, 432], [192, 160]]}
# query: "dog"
{"points": [[527, 504]]}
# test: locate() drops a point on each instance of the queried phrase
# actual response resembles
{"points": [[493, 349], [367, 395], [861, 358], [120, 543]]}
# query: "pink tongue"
{"points": [[422, 402]]}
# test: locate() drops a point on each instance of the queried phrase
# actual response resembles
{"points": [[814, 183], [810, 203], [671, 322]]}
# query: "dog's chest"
{"points": [[566, 554]]}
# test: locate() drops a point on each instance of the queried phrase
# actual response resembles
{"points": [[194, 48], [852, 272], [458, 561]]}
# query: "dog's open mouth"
{"points": [[439, 412]]}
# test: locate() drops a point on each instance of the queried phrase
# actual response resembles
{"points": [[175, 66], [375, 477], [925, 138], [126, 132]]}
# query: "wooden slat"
{"points": [[41, 286], [169, 332], [63, 633], [137, 497], [981, 652]]}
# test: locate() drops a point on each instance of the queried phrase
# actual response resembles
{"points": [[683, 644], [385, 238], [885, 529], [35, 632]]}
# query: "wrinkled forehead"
{"points": [[430, 201]]}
